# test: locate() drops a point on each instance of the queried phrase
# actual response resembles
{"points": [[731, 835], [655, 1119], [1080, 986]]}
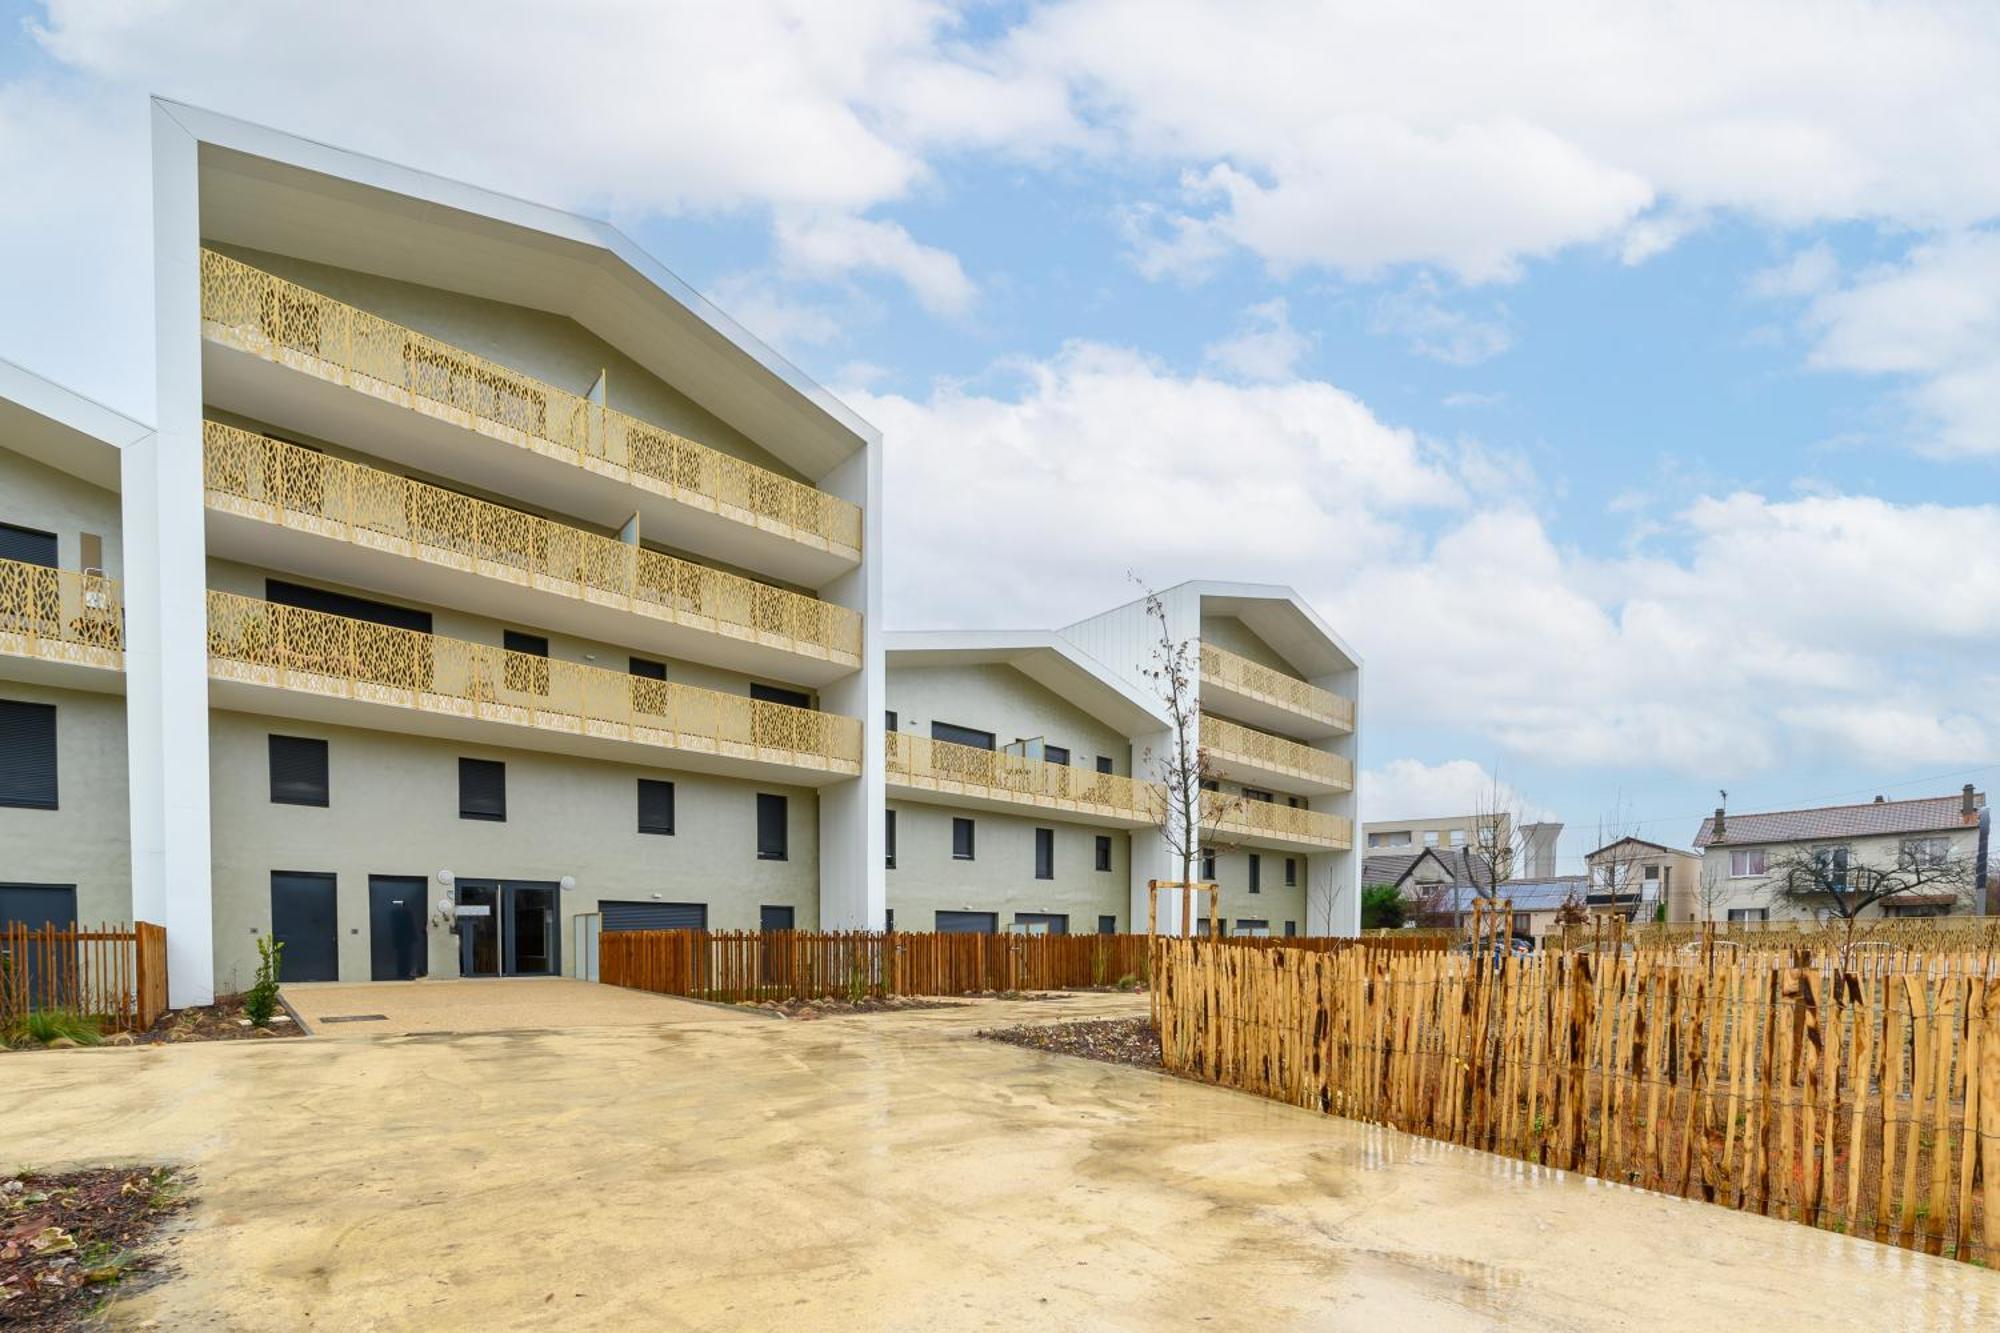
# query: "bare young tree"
{"points": [[1188, 806], [1498, 846], [1833, 881], [1714, 890], [1615, 866]]}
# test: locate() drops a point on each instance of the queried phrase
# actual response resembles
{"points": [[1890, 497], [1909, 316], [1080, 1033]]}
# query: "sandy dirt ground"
{"points": [[718, 1171]]}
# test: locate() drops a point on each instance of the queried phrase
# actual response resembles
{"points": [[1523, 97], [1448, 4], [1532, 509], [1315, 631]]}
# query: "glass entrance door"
{"points": [[510, 929]]}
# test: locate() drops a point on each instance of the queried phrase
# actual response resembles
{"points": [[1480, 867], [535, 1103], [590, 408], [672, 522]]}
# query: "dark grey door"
{"points": [[654, 916], [398, 948], [775, 918], [968, 923], [304, 919], [34, 906]]}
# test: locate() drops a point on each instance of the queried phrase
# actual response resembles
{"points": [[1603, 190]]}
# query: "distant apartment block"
{"points": [[1531, 850]]}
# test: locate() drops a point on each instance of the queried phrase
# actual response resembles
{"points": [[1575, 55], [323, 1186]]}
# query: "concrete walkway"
{"points": [[386, 1008], [719, 1172]]}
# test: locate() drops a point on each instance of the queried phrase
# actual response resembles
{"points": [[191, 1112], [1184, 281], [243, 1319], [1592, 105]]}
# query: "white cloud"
{"points": [[1932, 320], [1418, 315], [1866, 618], [1264, 347], [1472, 138], [1413, 789], [828, 245], [1807, 273]]}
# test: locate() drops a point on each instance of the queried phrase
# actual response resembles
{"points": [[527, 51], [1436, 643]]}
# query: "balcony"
{"points": [[59, 627], [1255, 693], [283, 352], [1286, 827], [1258, 757], [945, 773], [278, 505], [280, 660]]}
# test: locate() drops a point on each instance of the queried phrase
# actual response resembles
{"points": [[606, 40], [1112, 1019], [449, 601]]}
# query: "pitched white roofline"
{"points": [[58, 426], [613, 246], [1046, 657]]}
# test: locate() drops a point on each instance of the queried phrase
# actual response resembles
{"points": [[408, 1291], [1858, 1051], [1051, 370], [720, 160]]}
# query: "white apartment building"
{"points": [[479, 584]]}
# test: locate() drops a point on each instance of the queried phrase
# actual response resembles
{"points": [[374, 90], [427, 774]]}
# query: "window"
{"points": [[656, 806], [526, 666], [344, 604], [1400, 838], [647, 668], [27, 755], [649, 686], [957, 735], [888, 719], [1291, 872], [482, 790], [1458, 837], [961, 840], [889, 921], [1430, 837], [1041, 923], [1056, 754], [1252, 794], [776, 694], [30, 546], [889, 839], [1104, 763], [1746, 864], [1256, 873], [1253, 927], [298, 771], [1924, 853], [1749, 914], [1208, 863], [1830, 863], [1045, 853], [1896, 909], [772, 827], [1107, 925], [1210, 784], [1103, 851]]}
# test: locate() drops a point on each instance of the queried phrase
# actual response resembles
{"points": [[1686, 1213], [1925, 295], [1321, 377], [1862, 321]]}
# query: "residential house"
{"points": [[1638, 878]]}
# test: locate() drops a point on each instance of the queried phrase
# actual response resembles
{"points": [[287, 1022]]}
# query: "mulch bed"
{"points": [[806, 1010], [68, 1242], [221, 1021], [1118, 1041]]}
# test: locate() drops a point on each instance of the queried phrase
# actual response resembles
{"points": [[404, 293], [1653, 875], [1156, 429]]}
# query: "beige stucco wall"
{"points": [[33, 495], [1001, 876], [550, 348], [1001, 700], [394, 811], [86, 840], [1754, 892]]}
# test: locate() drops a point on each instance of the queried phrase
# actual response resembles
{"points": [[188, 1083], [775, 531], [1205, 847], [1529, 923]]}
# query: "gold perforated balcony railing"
{"points": [[1226, 741], [281, 483], [59, 615], [1275, 687], [1291, 823], [945, 766], [254, 311], [266, 644]]}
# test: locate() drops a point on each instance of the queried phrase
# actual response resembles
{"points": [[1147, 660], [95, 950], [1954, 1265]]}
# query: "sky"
{"points": [[1621, 381]]}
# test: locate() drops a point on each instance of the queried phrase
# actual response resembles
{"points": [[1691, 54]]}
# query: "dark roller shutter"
{"points": [[654, 916], [298, 771], [482, 789], [772, 831], [27, 755], [656, 806], [968, 923], [27, 545], [345, 604]]}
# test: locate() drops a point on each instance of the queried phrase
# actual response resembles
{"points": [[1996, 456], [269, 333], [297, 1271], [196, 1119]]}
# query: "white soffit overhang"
{"points": [[62, 429], [1281, 618], [271, 191], [1043, 657]]}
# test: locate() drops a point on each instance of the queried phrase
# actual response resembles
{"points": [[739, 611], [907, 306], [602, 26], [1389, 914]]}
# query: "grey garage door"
{"points": [[968, 923], [654, 916]]}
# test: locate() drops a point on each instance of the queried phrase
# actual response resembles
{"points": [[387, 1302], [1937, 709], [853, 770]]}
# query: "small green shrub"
{"points": [[1128, 982], [260, 1002], [39, 1027]]}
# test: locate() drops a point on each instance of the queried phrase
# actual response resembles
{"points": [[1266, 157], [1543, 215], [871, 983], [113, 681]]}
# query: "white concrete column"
{"points": [[166, 616], [853, 893]]}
